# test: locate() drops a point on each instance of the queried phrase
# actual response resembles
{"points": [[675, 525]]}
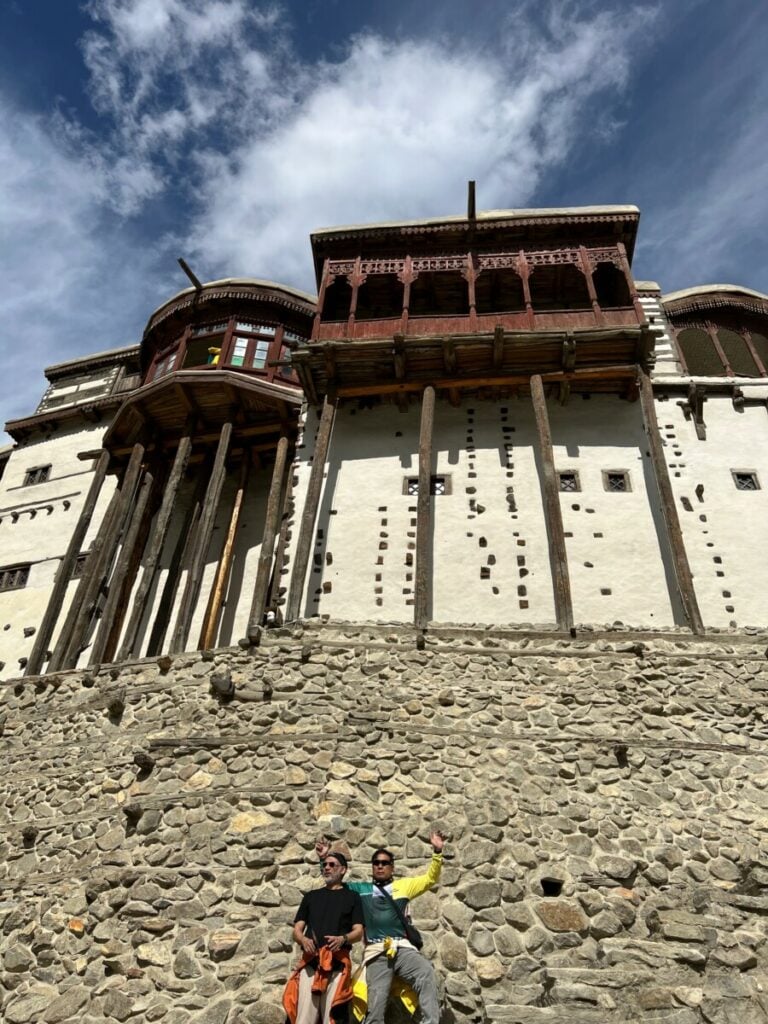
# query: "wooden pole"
{"points": [[202, 540], [224, 568], [66, 567], [271, 523], [286, 505], [97, 568], [637, 304], [525, 277], [311, 506], [155, 548], [586, 270], [674, 534], [423, 591], [120, 572], [558, 556]]}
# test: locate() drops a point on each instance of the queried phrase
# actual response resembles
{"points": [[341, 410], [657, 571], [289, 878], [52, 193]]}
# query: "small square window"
{"points": [[569, 481], [745, 481], [616, 480], [37, 475], [439, 485], [14, 577]]}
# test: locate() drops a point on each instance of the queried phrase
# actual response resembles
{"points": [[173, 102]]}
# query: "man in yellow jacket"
{"points": [[389, 955]]}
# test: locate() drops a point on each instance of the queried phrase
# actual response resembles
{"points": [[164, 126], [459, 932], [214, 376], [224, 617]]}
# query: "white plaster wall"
{"points": [[726, 534], [667, 360], [42, 540], [615, 554], [367, 526]]}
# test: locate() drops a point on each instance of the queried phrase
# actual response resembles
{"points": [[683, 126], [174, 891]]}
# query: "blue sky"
{"points": [[134, 131]]}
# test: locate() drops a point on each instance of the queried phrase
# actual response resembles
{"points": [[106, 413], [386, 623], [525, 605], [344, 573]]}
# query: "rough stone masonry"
{"points": [[607, 799]]}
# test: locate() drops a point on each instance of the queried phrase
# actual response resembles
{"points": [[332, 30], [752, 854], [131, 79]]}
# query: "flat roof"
{"points": [[490, 215]]}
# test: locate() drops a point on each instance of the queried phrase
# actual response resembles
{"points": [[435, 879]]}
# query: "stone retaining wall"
{"points": [[607, 800]]}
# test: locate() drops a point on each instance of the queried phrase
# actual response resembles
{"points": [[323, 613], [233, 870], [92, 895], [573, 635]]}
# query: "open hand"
{"points": [[322, 846], [308, 946], [438, 840]]}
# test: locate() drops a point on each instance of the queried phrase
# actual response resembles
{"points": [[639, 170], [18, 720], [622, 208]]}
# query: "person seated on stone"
{"points": [[390, 954], [327, 922]]}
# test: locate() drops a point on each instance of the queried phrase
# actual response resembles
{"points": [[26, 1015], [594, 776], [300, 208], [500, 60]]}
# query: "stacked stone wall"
{"points": [[607, 800]]}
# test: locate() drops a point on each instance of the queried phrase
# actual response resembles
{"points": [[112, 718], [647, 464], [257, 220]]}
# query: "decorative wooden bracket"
{"points": [[569, 352], [737, 397], [693, 407]]}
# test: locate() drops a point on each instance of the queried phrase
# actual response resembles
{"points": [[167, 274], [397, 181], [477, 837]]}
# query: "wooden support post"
{"points": [[75, 629], [155, 548], [271, 524], [586, 269], [470, 276], [355, 279], [224, 568], [558, 556], [753, 351], [119, 575], [66, 567], [274, 598], [639, 311], [674, 534], [324, 282], [525, 274], [406, 277], [311, 506], [202, 540], [423, 575], [712, 332]]}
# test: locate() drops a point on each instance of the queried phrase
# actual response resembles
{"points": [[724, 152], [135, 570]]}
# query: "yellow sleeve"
{"points": [[410, 888]]}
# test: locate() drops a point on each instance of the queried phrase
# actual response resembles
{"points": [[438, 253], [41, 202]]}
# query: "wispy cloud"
{"points": [[208, 117]]}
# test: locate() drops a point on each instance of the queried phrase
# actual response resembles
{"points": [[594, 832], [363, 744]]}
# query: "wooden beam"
{"points": [[266, 551], [311, 506], [605, 374], [224, 568], [449, 355], [423, 574], [97, 567], [66, 567], [558, 556], [202, 540], [399, 357], [119, 574], [673, 532], [130, 643], [286, 516]]}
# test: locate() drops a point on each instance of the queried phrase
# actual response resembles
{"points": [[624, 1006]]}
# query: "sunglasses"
{"points": [[381, 863], [331, 864]]}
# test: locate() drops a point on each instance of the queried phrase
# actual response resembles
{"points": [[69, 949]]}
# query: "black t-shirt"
{"points": [[329, 912]]}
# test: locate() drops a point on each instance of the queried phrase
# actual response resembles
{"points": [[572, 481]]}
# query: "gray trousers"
{"points": [[413, 968]]}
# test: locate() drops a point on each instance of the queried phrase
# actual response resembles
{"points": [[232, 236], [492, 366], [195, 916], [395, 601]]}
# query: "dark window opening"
{"points": [[165, 364], [438, 485], [611, 286], [616, 480], [337, 300], [569, 481], [203, 350], [37, 475], [699, 352], [441, 293], [499, 291], [79, 567], [379, 298], [745, 481], [14, 577], [558, 286], [736, 352]]}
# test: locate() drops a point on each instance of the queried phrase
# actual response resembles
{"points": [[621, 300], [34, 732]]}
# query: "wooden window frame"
{"points": [[568, 472], [608, 473], [736, 473], [445, 477], [14, 577], [32, 476]]}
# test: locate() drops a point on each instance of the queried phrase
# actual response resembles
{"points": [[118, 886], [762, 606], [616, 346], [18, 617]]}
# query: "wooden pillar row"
{"points": [[202, 540], [424, 506], [311, 506], [553, 517], [271, 524], [587, 271], [130, 645], [100, 559], [64, 574], [119, 576], [673, 533], [224, 568]]}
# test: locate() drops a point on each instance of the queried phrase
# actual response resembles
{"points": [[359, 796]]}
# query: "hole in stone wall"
{"points": [[551, 886]]}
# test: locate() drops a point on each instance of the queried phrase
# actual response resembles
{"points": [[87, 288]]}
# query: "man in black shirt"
{"points": [[328, 921]]}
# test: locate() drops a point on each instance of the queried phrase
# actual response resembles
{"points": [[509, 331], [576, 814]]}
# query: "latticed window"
{"points": [[746, 481], [37, 475], [14, 577], [616, 480], [438, 485], [209, 329], [569, 481]]}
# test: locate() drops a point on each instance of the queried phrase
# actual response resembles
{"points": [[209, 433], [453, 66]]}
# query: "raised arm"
{"points": [[410, 888]]}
